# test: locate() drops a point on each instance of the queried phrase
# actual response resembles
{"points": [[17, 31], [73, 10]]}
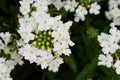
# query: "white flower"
{"points": [[115, 34], [115, 12], [6, 76], [1, 44], [108, 43], [45, 23], [25, 21], [17, 58], [58, 4], [6, 66], [41, 5], [6, 37], [10, 65], [116, 21], [60, 48], [54, 65], [56, 21], [25, 8], [25, 33], [117, 66], [109, 15], [103, 37], [112, 4], [67, 41], [80, 13], [70, 5], [94, 8], [20, 42], [67, 25], [44, 59], [29, 52], [109, 46], [105, 60]]}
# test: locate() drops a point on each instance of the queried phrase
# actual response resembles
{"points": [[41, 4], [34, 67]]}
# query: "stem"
{"points": [[116, 56], [43, 76]]}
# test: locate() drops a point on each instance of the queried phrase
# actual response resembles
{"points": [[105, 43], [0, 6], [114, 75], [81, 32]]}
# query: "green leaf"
{"points": [[89, 68], [63, 12], [111, 73], [85, 2], [92, 32], [50, 75], [71, 62]]}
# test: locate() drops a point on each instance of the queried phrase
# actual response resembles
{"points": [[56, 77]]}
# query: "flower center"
{"points": [[43, 40]]}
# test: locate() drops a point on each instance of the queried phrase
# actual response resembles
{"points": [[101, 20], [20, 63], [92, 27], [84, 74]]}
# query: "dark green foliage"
{"points": [[88, 69]]}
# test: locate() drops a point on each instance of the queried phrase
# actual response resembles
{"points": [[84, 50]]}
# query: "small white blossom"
{"points": [[109, 15], [115, 34], [113, 4], [6, 37], [58, 4], [103, 37], [109, 46], [20, 42], [94, 8], [25, 8], [41, 5], [44, 59], [29, 52], [60, 48], [54, 65], [26, 34], [117, 66], [80, 13], [70, 5], [105, 60], [17, 58]]}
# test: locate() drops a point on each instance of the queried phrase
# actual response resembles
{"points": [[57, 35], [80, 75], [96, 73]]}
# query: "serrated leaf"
{"points": [[92, 32], [89, 68]]}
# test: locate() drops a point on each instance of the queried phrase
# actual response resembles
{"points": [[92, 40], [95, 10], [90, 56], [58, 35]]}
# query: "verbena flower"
{"points": [[113, 13], [117, 66], [80, 13], [110, 48], [70, 5], [110, 42], [44, 38], [105, 60], [9, 57], [94, 8]]}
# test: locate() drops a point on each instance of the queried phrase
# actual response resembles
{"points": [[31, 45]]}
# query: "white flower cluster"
{"points": [[44, 38], [69, 5], [110, 42], [110, 48], [10, 58], [72, 6], [114, 12], [81, 11], [6, 67]]}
